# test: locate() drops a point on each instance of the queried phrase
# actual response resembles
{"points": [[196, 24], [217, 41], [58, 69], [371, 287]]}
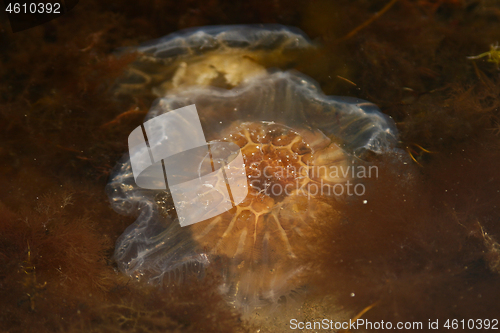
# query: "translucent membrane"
{"points": [[237, 37], [215, 55]]}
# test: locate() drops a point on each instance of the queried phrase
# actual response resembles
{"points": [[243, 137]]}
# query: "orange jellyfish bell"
{"points": [[298, 147]]}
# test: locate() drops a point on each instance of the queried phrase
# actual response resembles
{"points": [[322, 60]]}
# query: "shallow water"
{"points": [[423, 247]]}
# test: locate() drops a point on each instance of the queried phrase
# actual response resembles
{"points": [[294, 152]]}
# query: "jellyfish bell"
{"points": [[291, 137], [222, 56]]}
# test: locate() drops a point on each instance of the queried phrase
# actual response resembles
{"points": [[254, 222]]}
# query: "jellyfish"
{"points": [[291, 136]]}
